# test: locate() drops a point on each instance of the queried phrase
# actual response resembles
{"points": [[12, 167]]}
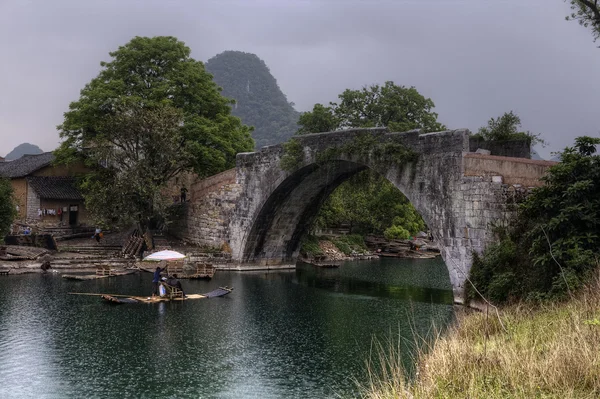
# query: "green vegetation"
{"points": [[553, 246], [23, 149], [587, 14], [259, 100], [369, 204], [524, 352], [152, 113], [350, 243], [293, 155], [398, 108], [347, 244], [309, 246], [506, 128], [7, 206]]}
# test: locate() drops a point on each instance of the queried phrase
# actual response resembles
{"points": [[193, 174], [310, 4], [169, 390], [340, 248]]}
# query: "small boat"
{"points": [[117, 299]]}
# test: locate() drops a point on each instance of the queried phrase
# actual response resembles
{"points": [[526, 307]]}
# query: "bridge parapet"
{"points": [[526, 172]]}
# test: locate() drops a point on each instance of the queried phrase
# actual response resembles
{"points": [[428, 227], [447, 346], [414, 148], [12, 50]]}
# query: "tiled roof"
{"points": [[25, 165], [59, 188]]}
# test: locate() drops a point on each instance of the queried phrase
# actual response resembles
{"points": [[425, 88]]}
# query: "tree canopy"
{"points": [[506, 127], [259, 101], [399, 108], [587, 14], [7, 206], [151, 113]]}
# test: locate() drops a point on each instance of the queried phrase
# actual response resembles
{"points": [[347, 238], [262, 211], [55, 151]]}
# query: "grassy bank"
{"points": [[346, 244], [545, 352]]}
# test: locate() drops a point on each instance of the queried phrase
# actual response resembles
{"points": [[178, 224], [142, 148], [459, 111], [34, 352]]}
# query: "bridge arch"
{"points": [[278, 205]]}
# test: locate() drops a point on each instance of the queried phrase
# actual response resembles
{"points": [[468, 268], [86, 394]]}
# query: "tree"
{"points": [[587, 14], [320, 119], [151, 113], [506, 128], [7, 206], [397, 107]]}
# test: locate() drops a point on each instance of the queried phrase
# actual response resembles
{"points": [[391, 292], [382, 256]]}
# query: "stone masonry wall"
{"points": [[525, 172], [205, 220], [33, 204]]}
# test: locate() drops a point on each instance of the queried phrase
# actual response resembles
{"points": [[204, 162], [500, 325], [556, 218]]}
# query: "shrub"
{"points": [[396, 232]]}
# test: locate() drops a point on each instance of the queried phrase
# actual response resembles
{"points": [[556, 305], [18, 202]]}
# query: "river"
{"points": [[303, 333]]}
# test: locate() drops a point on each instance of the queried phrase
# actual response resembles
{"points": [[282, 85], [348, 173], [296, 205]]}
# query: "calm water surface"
{"points": [[304, 333]]}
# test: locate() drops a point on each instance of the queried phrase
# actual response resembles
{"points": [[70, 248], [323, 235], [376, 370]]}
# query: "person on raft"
{"points": [[156, 280], [174, 282]]}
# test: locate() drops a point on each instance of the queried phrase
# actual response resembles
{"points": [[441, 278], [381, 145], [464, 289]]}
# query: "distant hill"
{"points": [[260, 102], [557, 157], [21, 150], [535, 155]]}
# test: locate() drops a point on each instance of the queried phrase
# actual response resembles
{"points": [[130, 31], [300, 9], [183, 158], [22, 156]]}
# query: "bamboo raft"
{"points": [[173, 295]]}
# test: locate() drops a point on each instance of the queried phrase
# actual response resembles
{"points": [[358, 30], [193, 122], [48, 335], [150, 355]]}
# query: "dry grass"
{"points": [[547, 352]]}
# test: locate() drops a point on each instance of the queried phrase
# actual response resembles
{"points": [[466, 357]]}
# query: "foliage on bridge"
{"points": [[366, 148]]}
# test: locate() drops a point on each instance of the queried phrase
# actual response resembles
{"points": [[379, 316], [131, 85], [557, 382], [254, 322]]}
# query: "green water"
{"points": [[304, 333]]}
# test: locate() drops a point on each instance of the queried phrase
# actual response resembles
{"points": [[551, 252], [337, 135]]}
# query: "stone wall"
{"points": [[509, 148], [33, 204], [204, 220], [202, 187], [526, 172]]}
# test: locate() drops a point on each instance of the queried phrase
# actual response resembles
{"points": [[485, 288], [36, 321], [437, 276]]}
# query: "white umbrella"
{"points": [[164, 255]]}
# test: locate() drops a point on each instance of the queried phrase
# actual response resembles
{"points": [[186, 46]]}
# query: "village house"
{"points": [[46, 194]]}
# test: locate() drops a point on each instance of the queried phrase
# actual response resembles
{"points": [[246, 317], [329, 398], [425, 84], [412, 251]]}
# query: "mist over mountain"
{"points": [[23, 149], [259, 100]]}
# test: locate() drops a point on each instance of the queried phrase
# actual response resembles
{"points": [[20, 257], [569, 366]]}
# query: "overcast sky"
{"points": [[475, 58]]}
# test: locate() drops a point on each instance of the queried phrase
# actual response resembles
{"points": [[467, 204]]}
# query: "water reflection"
{"points": [[303, 333]]}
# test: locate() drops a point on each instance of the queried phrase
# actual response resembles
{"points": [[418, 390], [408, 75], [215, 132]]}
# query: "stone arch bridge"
{"points": [[262, 210]]}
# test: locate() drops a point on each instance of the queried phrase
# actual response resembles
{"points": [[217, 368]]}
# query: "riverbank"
{"points": [[544, 352], [331, 250]]}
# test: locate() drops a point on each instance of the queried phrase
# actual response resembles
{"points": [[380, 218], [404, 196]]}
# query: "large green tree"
{"points": [[7, 206], [398, 108], [151, 113], [368, 202], [587, 14]]}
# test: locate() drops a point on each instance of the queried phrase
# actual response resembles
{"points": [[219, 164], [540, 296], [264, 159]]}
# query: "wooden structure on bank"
{"points": [[102, 271], [133, 246], [190, 270], [46, 241]]}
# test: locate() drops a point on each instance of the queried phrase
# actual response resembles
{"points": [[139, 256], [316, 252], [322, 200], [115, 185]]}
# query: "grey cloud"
{"points": [[475, 58]]}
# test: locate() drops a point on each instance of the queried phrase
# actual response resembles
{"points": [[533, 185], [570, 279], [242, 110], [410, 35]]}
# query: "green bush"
{"points": [[309, 246], [396, 233], [7, 206]]}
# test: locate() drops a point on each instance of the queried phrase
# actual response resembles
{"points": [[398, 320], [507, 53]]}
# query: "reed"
{"points": [[550, 351]]}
